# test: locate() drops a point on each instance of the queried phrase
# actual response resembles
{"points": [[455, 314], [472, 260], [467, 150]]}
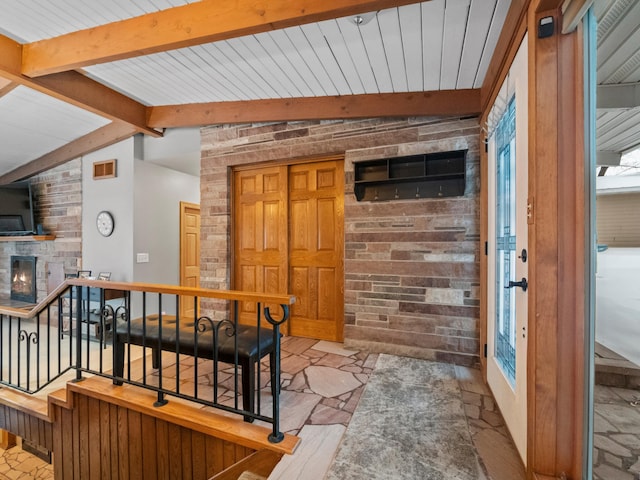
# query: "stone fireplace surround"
{"points": [[58, 206]]}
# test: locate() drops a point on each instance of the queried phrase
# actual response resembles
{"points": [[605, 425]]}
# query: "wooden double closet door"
{"points": [[288, 226]]}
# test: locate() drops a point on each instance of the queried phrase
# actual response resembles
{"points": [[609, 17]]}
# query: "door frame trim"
{"points": [[287, 162], [557, 249]]}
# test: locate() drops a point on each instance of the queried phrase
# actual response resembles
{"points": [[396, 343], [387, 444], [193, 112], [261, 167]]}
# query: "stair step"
{"points": [[614, 370], [251, 476]]}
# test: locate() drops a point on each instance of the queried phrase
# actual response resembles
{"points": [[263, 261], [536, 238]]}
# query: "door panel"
{"points": [[189, 254], [317, 243], [300, 284], [326, 293], [248, 222], [260, 233], [289, 238], [327, 209]]}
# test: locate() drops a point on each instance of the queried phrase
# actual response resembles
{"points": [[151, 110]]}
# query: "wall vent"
{"points": [[104, 169]]}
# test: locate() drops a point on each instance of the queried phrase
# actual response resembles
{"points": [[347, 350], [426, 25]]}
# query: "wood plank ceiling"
{"points": [[350, 57], [96, 72]]}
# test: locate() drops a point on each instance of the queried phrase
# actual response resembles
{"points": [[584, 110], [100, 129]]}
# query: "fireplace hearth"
{"points": [[23, 279]]}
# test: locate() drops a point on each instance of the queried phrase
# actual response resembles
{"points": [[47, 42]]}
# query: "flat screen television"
{"points": [[16, 209]]}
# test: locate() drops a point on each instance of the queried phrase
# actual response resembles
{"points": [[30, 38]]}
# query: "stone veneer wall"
{"points": [[411, 267], [58, 207]]}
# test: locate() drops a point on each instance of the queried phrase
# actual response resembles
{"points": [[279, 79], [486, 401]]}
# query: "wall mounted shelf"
{"points": [[429, 175], [27, 238]]}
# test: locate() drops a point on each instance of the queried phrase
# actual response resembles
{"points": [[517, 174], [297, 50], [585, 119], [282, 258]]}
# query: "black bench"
{"points": [[248, 347]]}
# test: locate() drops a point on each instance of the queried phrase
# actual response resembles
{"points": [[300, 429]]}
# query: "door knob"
{"points": [[522, 284]]}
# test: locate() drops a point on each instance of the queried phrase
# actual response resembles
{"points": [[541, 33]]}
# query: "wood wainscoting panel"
{"points": [[28, 427], [105, 431], [115, 442], [26, 417]]}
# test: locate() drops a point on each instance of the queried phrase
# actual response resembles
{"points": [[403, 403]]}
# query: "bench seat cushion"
{"points": [[249, 343]]}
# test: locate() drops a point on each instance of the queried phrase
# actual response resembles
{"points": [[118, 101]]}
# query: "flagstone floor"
{"points": [[616, 440], [322, 383]]}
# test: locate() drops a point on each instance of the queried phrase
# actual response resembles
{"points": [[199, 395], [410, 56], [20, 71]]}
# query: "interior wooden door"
{"points": [[189, 254], [289, 238], [260, 234], [316, 245]]}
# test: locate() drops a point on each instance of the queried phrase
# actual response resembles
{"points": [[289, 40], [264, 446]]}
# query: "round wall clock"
{"points": [[105, 223]]}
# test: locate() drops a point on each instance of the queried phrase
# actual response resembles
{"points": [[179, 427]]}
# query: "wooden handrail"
{"points": [[24, 313], [187, 291], [238, 295]]}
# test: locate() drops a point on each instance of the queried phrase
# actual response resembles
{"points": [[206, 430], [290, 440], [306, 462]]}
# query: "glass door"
{"points": [[505, 241], [507, 270]]}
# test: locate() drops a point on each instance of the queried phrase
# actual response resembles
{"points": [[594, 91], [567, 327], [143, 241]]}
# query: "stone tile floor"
{"points": [[321, 385], [16, 464], [488, 431], [616, 439], [410, 424]]}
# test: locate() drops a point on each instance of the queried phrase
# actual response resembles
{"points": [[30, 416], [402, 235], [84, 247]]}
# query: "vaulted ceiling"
{"points": [[77, 75]]}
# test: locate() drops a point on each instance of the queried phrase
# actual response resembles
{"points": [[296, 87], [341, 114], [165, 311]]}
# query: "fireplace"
{"points": [[23, 279]]}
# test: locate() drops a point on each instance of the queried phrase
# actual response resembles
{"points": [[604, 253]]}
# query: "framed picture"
{"points": [[84, 273], [70, 275], [104, 275]]}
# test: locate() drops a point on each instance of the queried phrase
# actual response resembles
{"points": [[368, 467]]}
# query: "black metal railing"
{"points": [[32, 349], [137, 334]]}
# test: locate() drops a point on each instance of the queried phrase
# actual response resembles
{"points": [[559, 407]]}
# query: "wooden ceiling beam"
{"points": [[6, 86], [100, 138], [193, 24], [81, 91], [76, 89], [442, 102]]}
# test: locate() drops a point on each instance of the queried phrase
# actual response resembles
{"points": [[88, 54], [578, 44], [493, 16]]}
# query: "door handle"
{"points": [[522, 284]]}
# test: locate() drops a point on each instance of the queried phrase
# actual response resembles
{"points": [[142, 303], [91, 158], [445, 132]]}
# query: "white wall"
{"points": [[618, 301], [114, 253], [158, 192], [144, 199], [178, 149]]}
